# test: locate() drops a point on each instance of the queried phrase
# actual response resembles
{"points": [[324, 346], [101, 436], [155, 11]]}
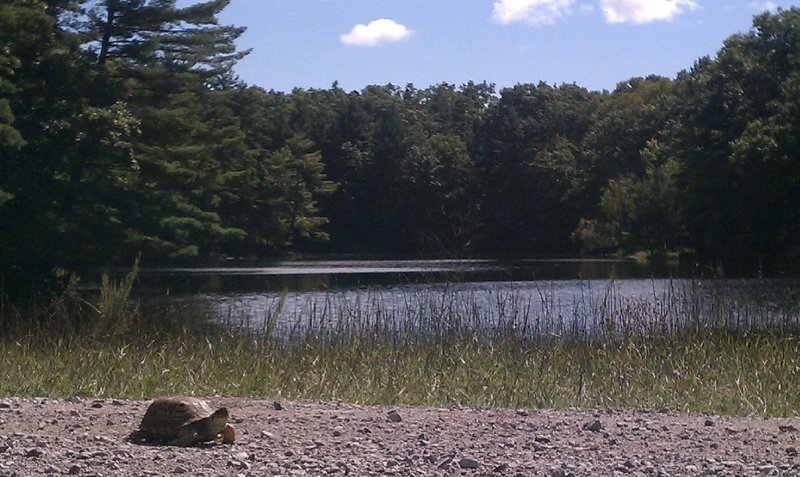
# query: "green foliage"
{"points": [[738, 142], [638, 213], [527, 154], [123, 130]]}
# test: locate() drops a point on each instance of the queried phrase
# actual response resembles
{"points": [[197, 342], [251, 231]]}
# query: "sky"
{"points": [[592, 43]]}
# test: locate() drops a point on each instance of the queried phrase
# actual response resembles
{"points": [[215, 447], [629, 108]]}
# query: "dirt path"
{"points": [[87, 437]]}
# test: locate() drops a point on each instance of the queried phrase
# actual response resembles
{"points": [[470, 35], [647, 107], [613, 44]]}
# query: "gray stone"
{"points": [[594, 425], [394, 416], [34, 452]]}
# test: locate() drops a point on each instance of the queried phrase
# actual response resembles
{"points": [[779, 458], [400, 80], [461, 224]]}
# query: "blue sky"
{"points": [[593, 43]]}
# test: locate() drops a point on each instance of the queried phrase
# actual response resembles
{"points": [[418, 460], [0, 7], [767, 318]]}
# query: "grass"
{"points": [[721, 362]]}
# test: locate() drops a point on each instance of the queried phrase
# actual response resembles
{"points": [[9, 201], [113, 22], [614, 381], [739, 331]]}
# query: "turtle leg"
{"points": [[137, 436], [186, 437], [228, 434]]}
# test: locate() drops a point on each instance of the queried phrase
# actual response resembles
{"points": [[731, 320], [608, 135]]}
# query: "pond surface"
{"points": [[554, 296]]}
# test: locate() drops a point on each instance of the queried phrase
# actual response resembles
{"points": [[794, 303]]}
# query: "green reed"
{"points": [[683, 353]]}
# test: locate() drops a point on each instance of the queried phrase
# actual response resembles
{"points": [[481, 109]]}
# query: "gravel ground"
{"points": [[80, 436]]}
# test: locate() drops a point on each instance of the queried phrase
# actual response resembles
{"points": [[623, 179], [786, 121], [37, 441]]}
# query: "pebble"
{"points": [[340, 439], [34, 452], [468, 463], [594, 425]]}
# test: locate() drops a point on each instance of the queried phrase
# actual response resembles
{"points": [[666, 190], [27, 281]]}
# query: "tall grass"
{"points": [[682, 353]]}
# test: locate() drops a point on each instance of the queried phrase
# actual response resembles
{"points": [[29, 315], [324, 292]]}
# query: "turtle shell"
{"points": [[166, 416]]}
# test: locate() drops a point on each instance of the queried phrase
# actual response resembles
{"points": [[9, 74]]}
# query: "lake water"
{"points": [[553, 296]]}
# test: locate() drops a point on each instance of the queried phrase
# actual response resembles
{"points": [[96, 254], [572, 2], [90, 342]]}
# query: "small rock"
{"points": [[178, 470], [557, 472], [792, 451], [540, 447], [500, 468], [593, 426], [34, 452], [74, 413], [445, 463], [708, 423], [51, 469], [468, 463], [74, 469], [240, 456], [542, 439], [238, 464], [97, 404], [277, 406], [787, 428], [622, 469], [394, 416]]}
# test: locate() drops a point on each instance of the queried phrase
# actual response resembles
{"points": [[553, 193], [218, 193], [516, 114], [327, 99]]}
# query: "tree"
{"points": [[638, 111], [527, 153], [638, 213], [98, 137], [738, 145], [149, 31], [167, 64]]}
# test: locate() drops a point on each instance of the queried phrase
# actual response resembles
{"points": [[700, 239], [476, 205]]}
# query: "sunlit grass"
{"points": [[115, 350]]}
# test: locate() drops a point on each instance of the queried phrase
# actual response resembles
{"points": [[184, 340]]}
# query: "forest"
{"points": [[125, 132]]}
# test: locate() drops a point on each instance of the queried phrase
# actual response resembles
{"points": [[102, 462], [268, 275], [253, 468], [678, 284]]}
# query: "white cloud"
{"points": [[375, 32], [644, 11], [768, 6], [530, 11]]}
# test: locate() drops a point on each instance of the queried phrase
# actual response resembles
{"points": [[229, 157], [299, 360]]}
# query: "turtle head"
{"points": [[220, 426]]}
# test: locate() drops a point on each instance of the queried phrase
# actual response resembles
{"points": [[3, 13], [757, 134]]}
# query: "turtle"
{"points": [[183, 421]]}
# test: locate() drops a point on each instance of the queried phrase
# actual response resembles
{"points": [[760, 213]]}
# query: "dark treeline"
{"points": [[124, 132]]}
